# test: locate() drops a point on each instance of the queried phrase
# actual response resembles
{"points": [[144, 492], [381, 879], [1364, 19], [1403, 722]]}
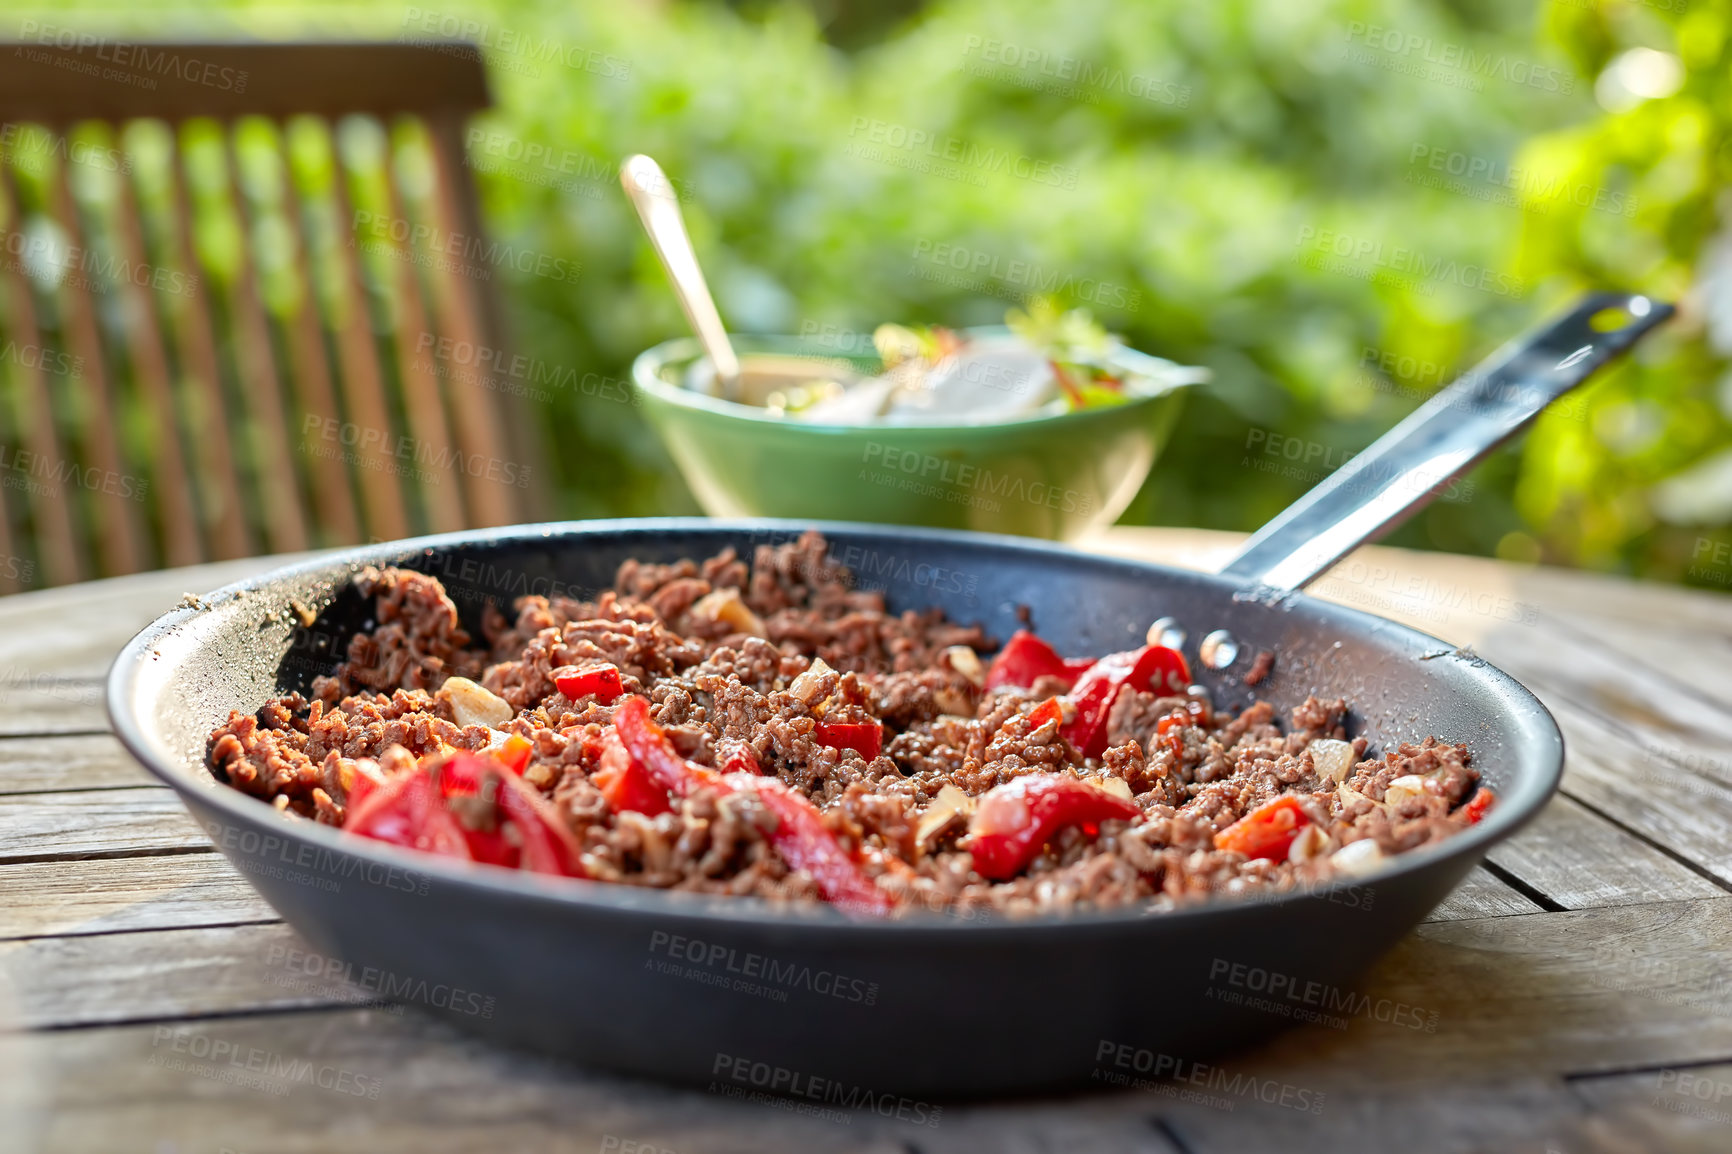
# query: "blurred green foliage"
{"points": [[1335, 205]]}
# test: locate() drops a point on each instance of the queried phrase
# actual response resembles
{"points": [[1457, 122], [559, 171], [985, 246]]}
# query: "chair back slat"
{"points": [[56, 534], [431, 432], [381, 494], [183, 543], [493, 500], [221, 497], [333, 496], [279, 491], [281, 380], [119, 534]]}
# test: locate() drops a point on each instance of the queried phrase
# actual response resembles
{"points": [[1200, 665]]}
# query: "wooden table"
{"points": [[1580, 984]]}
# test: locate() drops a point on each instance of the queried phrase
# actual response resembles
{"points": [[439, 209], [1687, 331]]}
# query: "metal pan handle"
{"points": [[1413, 462]]}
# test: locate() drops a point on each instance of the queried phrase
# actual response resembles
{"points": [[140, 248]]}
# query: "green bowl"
{"points": [[1055, 476]]}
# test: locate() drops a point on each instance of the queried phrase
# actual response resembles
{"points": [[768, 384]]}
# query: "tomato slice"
{"points": [[602, 680], [1151, 669], [806, 843], [650, 748], [1025, 659], [626, 784], [1267, 831], [1478, 805], [1015, 819], [866, 737]]}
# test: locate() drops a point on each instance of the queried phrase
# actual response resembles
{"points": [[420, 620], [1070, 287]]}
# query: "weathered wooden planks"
{"points": [[1482, 895], [159, 974], [39, 764], [95, 823], [104, 895], [1580, 860]]}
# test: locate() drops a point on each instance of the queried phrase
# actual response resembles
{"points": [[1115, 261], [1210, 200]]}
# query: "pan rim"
{"points": [[126, 675]]}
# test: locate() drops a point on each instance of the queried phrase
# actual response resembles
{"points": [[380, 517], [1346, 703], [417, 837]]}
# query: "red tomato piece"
{"points": [[549, 847], [1478, 805], [1267, 831], [737, 757], [651, 749], [1151, 669], [514, 753], [864, 737], [806, 843], [468, 775], [601, 680], [408, 811], [1015, 819], [626, 784], [801, 836], [1025, 659]]}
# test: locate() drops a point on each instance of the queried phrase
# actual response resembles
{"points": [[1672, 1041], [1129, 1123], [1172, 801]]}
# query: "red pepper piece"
{"points": [[1064, 382], [358, 793], [801, 836], [626, 784], [1025, 658], [548, 846], [806, 843], [864, 737], [651, 749], [738, 757], [1267, 831], [1151, 669], [1478, 805], [367, 795], [601, 680], [1015, 819], [1052, 709], [467, 775], [513, 753], [408, 811]]}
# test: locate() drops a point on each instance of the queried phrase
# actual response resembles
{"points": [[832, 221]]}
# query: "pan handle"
{"points": [[1409, 465]]}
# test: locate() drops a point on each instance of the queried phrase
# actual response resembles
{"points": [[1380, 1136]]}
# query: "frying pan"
{"points": [[744, 997]]}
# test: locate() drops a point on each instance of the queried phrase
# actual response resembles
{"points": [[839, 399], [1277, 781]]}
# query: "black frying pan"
{"points": [[843, 1013]]}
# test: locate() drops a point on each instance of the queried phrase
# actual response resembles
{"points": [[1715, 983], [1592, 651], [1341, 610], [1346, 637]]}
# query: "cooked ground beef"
{"points": [[717, 646]]}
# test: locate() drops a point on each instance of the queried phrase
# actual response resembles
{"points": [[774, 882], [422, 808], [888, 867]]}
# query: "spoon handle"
{"points": [[659, 209]]}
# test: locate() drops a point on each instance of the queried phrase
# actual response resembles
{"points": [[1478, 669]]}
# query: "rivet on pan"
{"points": [[1166, 632], [1218, 650]]}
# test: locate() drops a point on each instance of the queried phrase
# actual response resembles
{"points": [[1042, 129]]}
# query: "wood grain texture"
{"points": [[1482, 895], [107, 895], [148, 975], [95, 823], [47, 703], [177, 80], [425, 1087], [51, 764], [1578, 859]]}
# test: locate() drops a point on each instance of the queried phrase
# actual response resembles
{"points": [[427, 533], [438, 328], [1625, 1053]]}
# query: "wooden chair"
{"points": [[245, 306]]}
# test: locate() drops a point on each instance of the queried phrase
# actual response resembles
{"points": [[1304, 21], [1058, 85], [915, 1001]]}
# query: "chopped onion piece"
{"points": [[966, 662], [1312, 842], [1403, 788], [724, 605], [472, 704], [950, 805], [950, 701], [1117, 786], [806, 687], [1357, 859], [1332, 758]]}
